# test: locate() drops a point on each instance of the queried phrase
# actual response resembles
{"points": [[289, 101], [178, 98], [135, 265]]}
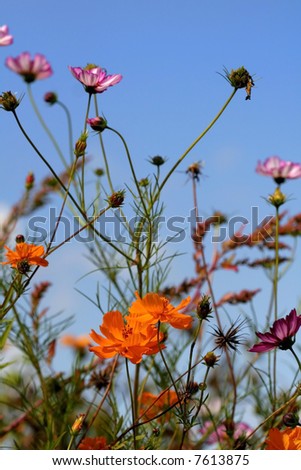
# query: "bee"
{"points": [[249, 86], [195, 170]]}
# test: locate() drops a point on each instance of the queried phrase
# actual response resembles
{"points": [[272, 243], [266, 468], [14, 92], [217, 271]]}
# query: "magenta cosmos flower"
{"points": [[281, 334], [94, 79], [30, 69], [5, 38], [279, 169]]}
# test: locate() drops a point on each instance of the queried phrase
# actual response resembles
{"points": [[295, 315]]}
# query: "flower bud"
{"points": [[29, 181], [277, 198], [116, 199], [8, 101], [81, 145], [144, 182], [99, 172], [291, 420], [240, 78], [78, 424], [157, 160], [50, 97], [204, 309], [210, 359], [20, 238], [98, 123], [202, 386]]}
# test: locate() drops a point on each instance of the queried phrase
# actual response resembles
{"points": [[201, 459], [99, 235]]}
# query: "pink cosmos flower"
{"points": [[94, 79], [279, 169], [220, 433], [5, 38], [281, 334], [30, 69]]}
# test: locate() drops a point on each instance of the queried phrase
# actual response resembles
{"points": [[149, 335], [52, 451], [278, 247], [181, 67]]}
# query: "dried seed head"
{"points": [[231, 338]]}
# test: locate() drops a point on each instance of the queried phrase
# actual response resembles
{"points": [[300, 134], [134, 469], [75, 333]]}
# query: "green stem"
{"points": [[131, 167], [275, 291], [133, 407], [45, 127], [275, 282], [107, 168], [104, 238], [196, 141], [296, 357], [82, 182], [70, 133], [167, 369]]}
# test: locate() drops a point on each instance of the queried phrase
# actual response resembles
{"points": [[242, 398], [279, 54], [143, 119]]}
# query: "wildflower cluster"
{"points": [[175, 360]]}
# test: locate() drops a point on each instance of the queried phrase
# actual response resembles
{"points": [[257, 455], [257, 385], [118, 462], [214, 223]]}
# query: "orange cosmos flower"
{"points": [[153, 308], [129, 339], [93, 443], [24, 256], [152, 405], [288, 439]]}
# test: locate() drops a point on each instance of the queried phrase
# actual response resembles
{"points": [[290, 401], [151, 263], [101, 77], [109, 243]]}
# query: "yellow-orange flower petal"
{"points": [[287, 439], [25, 253], [120, 337], [153, 308]]}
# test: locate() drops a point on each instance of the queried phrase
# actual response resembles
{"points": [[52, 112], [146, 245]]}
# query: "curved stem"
{"points": [[45, 127], [296, 357], [196, 141], [103, 237], [70, 133], [131, 167]]}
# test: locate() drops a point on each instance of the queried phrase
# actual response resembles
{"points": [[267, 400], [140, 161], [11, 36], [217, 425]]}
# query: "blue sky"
{"points": [[170, 54]]}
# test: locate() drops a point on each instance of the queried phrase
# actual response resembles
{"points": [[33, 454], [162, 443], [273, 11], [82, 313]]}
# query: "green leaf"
{"points": [[5, 334]]}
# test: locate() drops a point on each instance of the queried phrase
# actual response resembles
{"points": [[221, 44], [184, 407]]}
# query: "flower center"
{"points": [[286, 343], [127, 331], [23, 266]]}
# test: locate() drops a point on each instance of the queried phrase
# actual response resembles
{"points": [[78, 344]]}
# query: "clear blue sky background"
{"points": [[170, 54]]}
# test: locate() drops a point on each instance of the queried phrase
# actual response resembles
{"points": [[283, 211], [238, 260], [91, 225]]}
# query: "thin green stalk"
{"points": [[45, 127], [65, 189], [133, 407], [131, 167], [107, 168], [69, 123], [196, 141], [167, 369], [276, 270], [191, 351], [275, 290], [296, 357], [82, 182], [79, 230]]}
